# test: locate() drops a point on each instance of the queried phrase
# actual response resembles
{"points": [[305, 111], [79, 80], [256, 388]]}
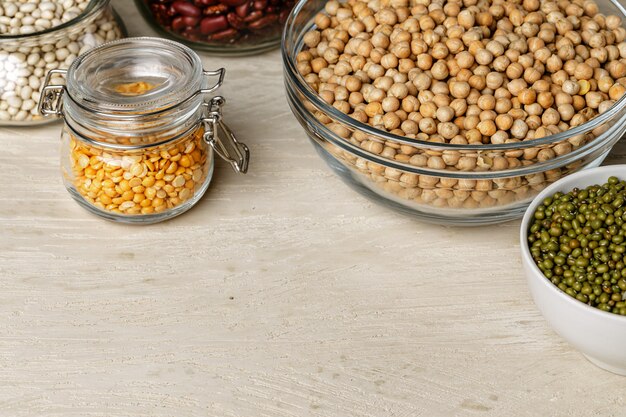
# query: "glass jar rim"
{"points": [[92, 8], [292, 42], [133, 147]]}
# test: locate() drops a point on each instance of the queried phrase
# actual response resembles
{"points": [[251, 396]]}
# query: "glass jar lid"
{"points": [[134, 76]]}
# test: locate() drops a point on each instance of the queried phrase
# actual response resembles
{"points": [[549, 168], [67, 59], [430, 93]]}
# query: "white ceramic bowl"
{"points": [[599, 335]]}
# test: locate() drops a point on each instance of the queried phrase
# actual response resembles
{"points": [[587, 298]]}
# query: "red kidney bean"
{"points": [[186, 9], [225, 34], [235, 21], [205, 3], [263, 22], [190, 21], [255, 15], [179, 23], [242, 11], [213, 24]]}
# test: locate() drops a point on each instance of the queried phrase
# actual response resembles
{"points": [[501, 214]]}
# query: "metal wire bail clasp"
{"points": [[50, 103], [213, 123], [219, 73]]}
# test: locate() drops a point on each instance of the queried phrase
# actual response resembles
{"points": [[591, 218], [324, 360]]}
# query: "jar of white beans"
{"points": [[39, 36], [140, 129]]}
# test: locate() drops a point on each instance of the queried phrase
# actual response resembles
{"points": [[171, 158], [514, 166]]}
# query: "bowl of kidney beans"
{"points": [[224, 27]]}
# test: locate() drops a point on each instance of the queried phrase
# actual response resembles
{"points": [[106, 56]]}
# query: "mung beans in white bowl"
{"points": [[599, 335]]}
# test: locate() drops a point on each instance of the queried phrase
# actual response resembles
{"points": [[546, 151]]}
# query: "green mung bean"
{"points": [[578, 241]]}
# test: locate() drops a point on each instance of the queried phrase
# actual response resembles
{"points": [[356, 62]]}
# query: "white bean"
{"points": [[26, 92], [10, 9], [28, 7]]}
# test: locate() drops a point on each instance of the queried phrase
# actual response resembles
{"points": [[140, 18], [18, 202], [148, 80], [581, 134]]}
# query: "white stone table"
{"points": [[281, 294]]}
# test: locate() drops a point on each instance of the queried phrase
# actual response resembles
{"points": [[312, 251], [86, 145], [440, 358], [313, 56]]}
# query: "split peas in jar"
{"points": [[139, 183]]}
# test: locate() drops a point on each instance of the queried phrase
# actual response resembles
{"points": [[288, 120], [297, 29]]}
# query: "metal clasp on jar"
{"points": [[213, 123], [51, 103]]}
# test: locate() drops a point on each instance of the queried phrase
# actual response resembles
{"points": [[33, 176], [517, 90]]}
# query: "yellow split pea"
{"points": [[134, 89]]}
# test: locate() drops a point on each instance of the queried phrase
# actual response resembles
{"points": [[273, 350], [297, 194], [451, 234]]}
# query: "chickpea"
{"points": [[605, 105], [545, 99], [322, 21], [503, 105], [373, 109], [594, 99], [422, 82], [487, 128], [389, 61], [554, 63], [571, 87], [527, 96], [312, 38], [617, 91], [391, 121], [566, 112], [353, 84], [465, 59], [390, 104], [516, 86], [504, 121], [501, 63], [318, 64], [440, 70], [447, 130], [617, 69], [460, 89], [550, 117], [466, 19], [424, 61], [519, 129], [409, 127], [583, 71], [427, 125], [459, 106]]}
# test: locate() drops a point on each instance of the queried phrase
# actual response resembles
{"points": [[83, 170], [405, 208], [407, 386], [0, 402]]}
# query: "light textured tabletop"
{"points": [[283, 293]]}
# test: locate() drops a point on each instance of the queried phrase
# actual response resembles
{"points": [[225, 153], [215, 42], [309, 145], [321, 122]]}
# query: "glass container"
{"points": [[441, 182], [26, 59], [220, 27], [140, 128]]}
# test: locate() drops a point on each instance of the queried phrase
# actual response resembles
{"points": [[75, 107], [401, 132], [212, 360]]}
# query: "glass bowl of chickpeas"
{"points": [[457, 112]]}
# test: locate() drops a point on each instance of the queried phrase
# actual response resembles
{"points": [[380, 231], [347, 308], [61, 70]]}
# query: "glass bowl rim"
{"points": [[294, 76], [92, 8], [540, 167]]}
